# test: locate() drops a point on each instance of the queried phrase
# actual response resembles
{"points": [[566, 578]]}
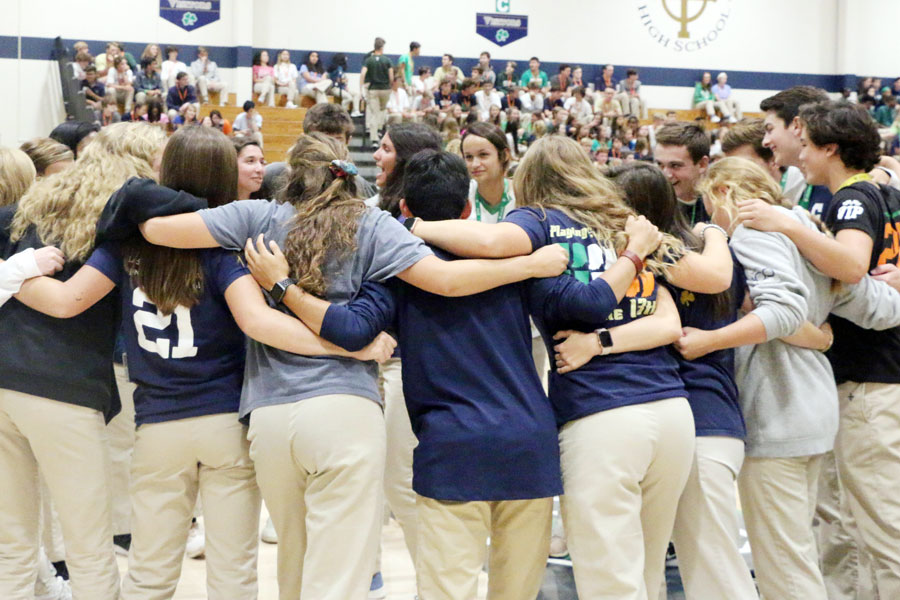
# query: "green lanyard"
{"points": [[504, 200], [804, 200]]}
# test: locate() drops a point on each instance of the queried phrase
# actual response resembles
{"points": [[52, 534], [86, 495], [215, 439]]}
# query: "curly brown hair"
{"points": [[328, 210]]}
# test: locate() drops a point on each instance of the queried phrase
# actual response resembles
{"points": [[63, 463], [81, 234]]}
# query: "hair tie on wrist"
{"points": [[343, 168]]}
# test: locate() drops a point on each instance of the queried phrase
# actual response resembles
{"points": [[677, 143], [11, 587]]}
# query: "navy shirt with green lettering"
{"points": [[609, 381]]}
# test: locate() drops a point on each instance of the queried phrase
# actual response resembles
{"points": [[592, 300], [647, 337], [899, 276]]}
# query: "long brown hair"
{"points": [[328, 210], [557, 173], [201, 161]]}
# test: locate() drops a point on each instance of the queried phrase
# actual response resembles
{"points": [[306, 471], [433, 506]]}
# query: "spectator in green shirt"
{"points": [[886, 114], [534, 72], [406, 62], [377, 73]]}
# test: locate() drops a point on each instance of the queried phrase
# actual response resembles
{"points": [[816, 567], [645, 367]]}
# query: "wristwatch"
{"points": [[280, 289], [606, 341], [410, 223]]}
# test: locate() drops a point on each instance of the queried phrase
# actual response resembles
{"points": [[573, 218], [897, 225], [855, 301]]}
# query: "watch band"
{"points": [[606, 341], [635, 259], [280, 289]]}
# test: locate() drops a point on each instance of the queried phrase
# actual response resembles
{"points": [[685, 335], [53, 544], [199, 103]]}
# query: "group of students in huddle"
{"points": [[681, 363]]}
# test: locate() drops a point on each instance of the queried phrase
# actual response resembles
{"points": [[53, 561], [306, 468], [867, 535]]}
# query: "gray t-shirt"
{"points": [[384, 248]]}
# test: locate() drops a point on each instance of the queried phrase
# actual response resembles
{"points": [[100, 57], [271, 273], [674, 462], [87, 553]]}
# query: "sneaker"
{"points": [[290, 105], [715, 118], [122, 543], [377, 591], [268, 534], [732, 119], [49, 585], [196, 542], [356, 113], [558, 547], [375, 144]]}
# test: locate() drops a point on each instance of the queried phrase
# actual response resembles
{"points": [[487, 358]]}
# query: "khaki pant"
{"points": [[266, 90], [453, 542], [632, 105], [204, 86], [778, 497], [623, 472], [347, 98], [120, 432], [376, 111], [320, 466], [51, 530], [867, 452], [706, 525], [68, 444], [289, 90], [315, 93], [125, 96], [845, 567], [173, 461], [401, 441], [710, 107]]}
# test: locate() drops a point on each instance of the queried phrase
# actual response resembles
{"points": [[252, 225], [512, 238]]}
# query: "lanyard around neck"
{"points": [[855, 179], [500, 208]]}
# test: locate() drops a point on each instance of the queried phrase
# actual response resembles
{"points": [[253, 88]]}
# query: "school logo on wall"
{"points": [[684, 25], [189, 14], [502, 29]]}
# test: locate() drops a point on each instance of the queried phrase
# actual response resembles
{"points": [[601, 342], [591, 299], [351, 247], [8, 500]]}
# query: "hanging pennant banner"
{"points": [[189, 14], [502, 29]]}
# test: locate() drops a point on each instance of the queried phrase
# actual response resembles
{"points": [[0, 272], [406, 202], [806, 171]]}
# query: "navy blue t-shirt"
{"points": [[709, 380], [609, 381], [486, 429], [819, 201], [186, 364]]}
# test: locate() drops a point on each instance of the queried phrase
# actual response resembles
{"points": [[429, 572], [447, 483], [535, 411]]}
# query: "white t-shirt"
{"points": [[116, 78], [582, 111], [170, 69], [241, 124], [285, 72], [485, 101], [793, 184], [479, 210], [398, 101]]}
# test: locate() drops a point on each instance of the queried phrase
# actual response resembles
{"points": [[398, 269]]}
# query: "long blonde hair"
{"points": [[328, 210], [17, 173], [732, 179], [64, 209], [557, 173]]}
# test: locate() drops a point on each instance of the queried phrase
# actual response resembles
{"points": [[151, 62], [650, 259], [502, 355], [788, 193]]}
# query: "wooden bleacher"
{"points": [[691, 115], [281, 126]]}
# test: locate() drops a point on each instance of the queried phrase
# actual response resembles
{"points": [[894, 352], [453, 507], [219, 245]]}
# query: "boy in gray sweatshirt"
{"points": [[788, 397]]}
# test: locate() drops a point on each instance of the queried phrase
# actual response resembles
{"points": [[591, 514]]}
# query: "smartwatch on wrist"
{"points": [[280, 289], [410, 223], [606, 341]]}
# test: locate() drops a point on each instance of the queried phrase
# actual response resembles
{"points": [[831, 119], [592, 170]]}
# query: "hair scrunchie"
{"points": [[343, 168]]}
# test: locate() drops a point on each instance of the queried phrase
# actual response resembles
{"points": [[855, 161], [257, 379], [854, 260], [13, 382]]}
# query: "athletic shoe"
{"points": [[715, 118], [290, 105], [50, 586], [732, 119], [377, 591], [558, 547], [356, 113], [122, 543], [268, 534], [196, 542], [375, 144]]}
